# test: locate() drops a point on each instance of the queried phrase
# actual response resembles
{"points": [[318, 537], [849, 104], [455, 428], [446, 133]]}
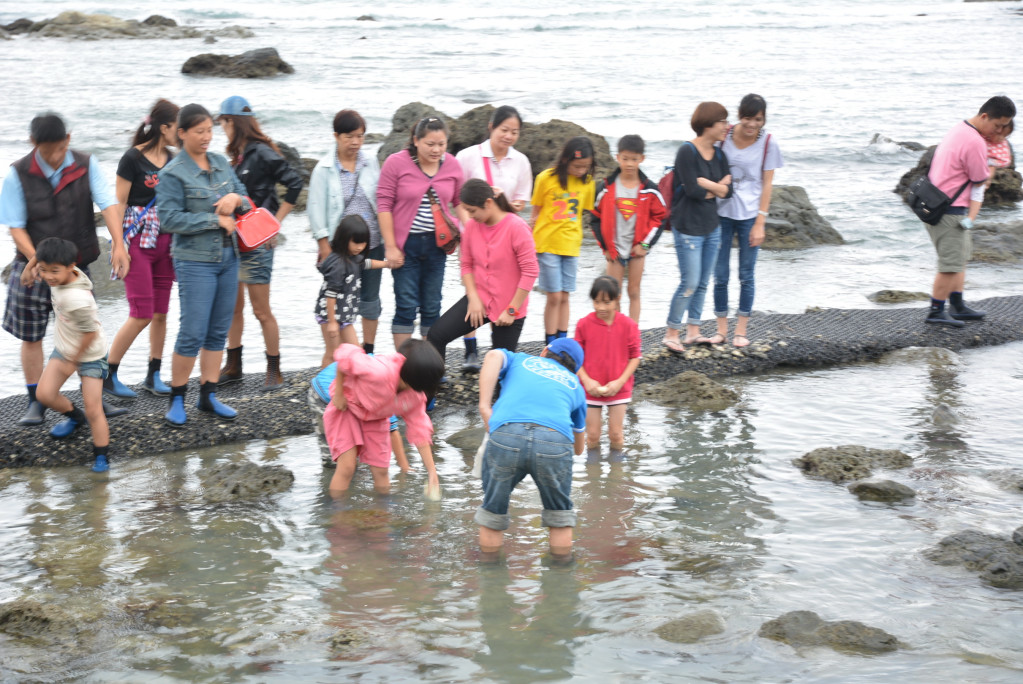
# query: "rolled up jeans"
{"points": [[206, 294], [696, 255], [747, 267]]}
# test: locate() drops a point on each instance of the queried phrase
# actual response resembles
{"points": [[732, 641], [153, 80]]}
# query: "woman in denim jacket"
{"points": [[196, 200]]}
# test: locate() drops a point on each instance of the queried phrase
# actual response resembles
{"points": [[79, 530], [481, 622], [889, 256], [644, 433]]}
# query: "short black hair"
{"points": [[192, 115], [423, 367], [631, 143], [348, 121], [57, 251], [608, 285], [751, 105], [579, 147], [47, 128], [352, 228], [998, 107], [503, 113], [564, 358]]}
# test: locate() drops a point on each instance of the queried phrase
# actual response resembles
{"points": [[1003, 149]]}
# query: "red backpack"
{"points": [[667, 186]]}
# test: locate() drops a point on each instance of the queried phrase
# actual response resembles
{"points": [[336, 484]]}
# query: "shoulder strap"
{"points": [[763, 162], [486, 166]]}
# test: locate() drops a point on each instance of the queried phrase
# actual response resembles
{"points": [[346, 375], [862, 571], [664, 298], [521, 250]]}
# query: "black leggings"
{"points": [[452, 325]]}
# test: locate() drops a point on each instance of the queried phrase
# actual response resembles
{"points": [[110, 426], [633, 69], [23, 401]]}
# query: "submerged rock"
{"points": [[881, 490], [244, 480], [468, 439], [998, 242], [690, 389], [898, 296], [795, 223], [1011, 480], [261, 63], [998, 559], [802, 628], [944, 415], [28, 618], [850, 462], [691, 628]]}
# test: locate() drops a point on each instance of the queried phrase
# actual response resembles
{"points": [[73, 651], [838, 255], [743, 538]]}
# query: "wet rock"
{"points": [[1005, 190], [261, 63], [468, 439], [347, 639], [4, 35], [881, 490], [81, 26], [803, 628], [795, 223], [28, 618], [366, 17], [944, 415], [898, 296], [1011, 480], [851, 462], [691, 628], [879, 139], [998, 242], [935, 356], [244, 480], [159, 20], [18, 26], [541, 143], [998, 560], [690, 389]]}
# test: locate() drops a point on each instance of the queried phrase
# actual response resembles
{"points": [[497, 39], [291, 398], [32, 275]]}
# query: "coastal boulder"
{"points": [[692, 390], [998, 242], [18, 26], [850, 462], [81, 26], [795, 223], [244, 480], [542, 143], [881, 490], [1005, 190], [691, 628], [261, 63], [804, 628], [997, 559]]}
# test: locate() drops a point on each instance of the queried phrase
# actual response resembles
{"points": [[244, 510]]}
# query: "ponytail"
{"points": [[475, 192], [149, 132]]}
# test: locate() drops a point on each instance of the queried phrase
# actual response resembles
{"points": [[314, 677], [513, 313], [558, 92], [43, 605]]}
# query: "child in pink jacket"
{"points": [[368, 390]]}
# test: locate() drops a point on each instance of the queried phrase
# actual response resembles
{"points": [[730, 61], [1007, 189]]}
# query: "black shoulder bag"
{"points": [[928, 202]]}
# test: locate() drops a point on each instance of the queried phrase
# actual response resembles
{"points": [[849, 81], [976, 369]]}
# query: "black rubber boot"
{"points": [[232, 370]]}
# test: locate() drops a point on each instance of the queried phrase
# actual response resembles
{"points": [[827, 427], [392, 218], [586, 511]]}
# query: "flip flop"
{"points": [[674, 346], [702, 340], [716, 338], [736, 343]]}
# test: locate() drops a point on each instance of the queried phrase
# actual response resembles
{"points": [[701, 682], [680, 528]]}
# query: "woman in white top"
{"points": [[505, 169], [753, 155]]}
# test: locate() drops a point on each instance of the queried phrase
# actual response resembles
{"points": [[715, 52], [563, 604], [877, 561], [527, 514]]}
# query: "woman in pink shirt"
{"points": [[499, 268]]}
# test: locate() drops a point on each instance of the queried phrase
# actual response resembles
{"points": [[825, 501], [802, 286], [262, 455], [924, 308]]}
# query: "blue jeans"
{"points": [[417, 284], [747, 265], [206, 294], [696, 256], [519, 449]]}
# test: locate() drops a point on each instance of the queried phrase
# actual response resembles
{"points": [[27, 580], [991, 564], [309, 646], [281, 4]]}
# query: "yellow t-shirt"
{"points": [[559, 226]]}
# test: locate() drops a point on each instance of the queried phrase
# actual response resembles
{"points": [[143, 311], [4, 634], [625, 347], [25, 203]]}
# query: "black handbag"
{"points": [[928, 202]]}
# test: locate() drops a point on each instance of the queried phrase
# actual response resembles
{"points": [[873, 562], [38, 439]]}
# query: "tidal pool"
{"points": [[144, 581]]}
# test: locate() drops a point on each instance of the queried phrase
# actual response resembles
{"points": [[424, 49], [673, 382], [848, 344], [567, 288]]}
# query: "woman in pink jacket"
{"points": [[367, 391], [499, 268]]}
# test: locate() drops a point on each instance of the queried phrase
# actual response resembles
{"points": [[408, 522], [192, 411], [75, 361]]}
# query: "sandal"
{"points": [[737, 343], [673, 346], [716, 338]]}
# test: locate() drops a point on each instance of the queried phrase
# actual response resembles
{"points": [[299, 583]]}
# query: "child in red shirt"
{"points": [[612, 349]]}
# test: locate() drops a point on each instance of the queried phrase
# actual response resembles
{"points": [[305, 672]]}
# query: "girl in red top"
{"points": [[612, 349]]}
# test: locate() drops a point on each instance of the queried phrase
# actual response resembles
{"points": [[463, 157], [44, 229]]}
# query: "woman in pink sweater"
{"points": [[406, 224], [499, 268], [367, 391]]}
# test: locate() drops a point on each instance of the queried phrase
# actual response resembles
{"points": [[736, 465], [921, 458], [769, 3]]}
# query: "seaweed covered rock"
{"points": [[31, 619], [690, 389], [794, 223], [881, 490], [850, 462], [244, 480], [997, 559], [803, 628], [898, 297], [261, 63], [998, 242], [691, 628]]}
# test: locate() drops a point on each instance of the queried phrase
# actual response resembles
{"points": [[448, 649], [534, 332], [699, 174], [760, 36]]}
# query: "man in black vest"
{"points": [[50, 193]]}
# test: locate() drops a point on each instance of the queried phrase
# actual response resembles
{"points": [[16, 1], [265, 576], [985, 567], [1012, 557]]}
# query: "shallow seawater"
{"points": [[706, 511]]}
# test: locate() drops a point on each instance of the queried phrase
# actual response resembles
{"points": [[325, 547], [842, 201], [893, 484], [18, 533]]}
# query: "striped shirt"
{"points": [[423, 222]]}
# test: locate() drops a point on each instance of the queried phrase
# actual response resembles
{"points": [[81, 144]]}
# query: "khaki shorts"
{"points": [[952, 242]]}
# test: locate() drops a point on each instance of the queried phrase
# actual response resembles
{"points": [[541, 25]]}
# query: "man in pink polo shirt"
{"points": [[961, 160]]}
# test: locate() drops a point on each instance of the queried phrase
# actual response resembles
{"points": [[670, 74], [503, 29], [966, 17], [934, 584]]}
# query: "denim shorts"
{"points": [[28, 307], [87, 369], [255, 267], [557, 272], [519, 449]]}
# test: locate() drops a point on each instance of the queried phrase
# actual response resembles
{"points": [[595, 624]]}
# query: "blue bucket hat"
{"points": [[236, 105], [566, 345]]}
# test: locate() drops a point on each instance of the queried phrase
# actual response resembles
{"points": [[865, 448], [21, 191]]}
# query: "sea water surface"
{"points": [[705, 512]]}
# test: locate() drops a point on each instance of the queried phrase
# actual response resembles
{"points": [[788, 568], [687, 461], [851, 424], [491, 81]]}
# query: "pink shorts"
{"points": [[372, 437], [150, 277]]}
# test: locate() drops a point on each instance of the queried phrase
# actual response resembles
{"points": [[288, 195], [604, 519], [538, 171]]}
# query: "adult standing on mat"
{"points": [[496, 161], [258, 163], [344, 183], [407, 223], [148, 285], [197, 200], [753, 155]]}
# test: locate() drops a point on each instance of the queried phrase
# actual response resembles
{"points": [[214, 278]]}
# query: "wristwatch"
{"points": [[512, 310], [645, 245]]}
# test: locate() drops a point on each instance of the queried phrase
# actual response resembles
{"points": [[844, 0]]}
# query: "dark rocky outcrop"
{"points": [[909, 145], [1005, 190], [244, 480], [691, 628], [795, 223], [692, 390], [18, 26], [366, 17], [261, 63], [81, 26], [881, 490], [898, 296], [997, 559], [803, 628], [850, 462], [998, 242]]}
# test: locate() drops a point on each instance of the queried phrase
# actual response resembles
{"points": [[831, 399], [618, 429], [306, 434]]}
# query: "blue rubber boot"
{"points": [[208, 402], [115, 388], [67, 427], [101, 465], [154, 385], [176, 413]]}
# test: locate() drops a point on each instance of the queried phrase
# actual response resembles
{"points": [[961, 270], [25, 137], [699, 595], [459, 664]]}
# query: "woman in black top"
{"points": [[149, 282], [259, 165], [701, 176]]}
